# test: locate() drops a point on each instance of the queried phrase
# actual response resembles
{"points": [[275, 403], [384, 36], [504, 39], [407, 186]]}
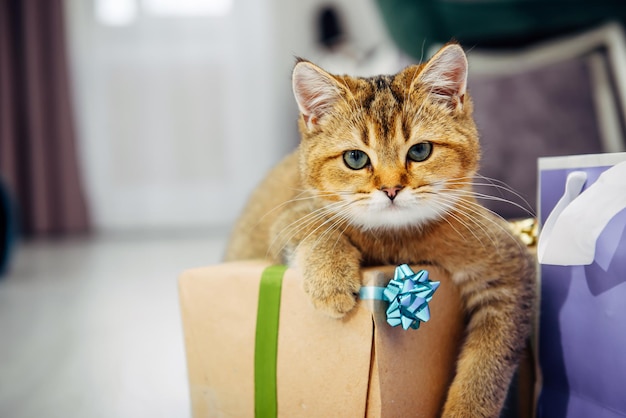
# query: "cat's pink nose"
{"points": [[391, 192]]}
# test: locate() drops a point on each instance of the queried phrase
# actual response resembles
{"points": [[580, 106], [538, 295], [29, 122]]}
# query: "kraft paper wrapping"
{"points": [[355, 367]]}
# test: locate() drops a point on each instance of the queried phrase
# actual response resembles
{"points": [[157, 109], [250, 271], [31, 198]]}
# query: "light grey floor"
{"points": [[91, 327]]}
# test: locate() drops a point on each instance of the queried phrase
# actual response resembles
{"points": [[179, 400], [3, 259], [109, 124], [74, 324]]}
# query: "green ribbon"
{"points": [[266, 342]]}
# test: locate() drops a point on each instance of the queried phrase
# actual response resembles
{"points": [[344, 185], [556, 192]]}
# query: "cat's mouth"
{"points": [[406, 209], [391, 205]]}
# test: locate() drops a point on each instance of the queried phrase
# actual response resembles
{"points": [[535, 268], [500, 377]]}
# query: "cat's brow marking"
{"points": [[397, 95], [365, 136], [405, 127], [383, 82]]}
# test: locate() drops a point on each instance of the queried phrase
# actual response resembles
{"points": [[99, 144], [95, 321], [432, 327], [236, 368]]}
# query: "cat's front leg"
{"points": [[327, 261], [331, 273], [500, 310]]}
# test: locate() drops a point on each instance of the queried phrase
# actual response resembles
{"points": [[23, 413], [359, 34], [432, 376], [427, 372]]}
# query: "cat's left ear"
{"points": [[445, 76], [316, 91]]}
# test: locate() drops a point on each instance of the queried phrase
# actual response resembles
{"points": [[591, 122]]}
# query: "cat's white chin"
{"points": [[395, 218], [377, 213]]}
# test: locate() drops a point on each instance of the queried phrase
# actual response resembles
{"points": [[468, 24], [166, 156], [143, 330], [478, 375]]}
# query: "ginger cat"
{"points": [[383, 175]]}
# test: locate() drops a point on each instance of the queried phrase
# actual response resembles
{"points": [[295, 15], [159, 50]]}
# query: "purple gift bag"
{"points": [[582, 321]]}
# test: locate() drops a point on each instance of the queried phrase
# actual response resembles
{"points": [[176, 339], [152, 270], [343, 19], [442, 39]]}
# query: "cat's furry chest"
{"points": [[395, 246], [448, 243]]}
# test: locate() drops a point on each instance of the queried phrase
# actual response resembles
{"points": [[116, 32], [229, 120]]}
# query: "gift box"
{"points": [[582, 251], [356, 366]]}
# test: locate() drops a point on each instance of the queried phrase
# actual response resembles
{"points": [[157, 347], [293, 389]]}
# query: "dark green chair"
{"points": [[415, 25]]}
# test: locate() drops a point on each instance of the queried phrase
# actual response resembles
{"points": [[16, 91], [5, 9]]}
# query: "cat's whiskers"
{"points": [[306, 221], [446, 214], [312, 216], [452, 205], [300, 223], [314, 194], [456, 199], [475, 211], [497, 181], [507, 231], [470, 216], [297, 198], [498, 185], [347, 221], [335, 221], [340, 218], [500, 199]]}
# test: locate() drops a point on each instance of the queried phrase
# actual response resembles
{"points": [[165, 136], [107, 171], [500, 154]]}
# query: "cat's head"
{"points": [[388, 151]]}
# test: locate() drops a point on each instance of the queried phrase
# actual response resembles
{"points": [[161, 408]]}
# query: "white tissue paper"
{"points": [[569, 235]]}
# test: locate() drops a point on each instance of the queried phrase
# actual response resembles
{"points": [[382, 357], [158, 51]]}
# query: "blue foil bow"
{"points": [[408, 294]]}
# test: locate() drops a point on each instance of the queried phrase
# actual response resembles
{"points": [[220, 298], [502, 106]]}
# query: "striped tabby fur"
{"points": [[326, 219]]}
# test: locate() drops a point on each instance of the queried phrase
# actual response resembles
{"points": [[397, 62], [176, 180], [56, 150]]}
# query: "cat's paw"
{"points": [[332, 295], [336, 304]]}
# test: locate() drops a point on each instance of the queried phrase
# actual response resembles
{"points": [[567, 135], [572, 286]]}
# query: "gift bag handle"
{"points": [[569, 235]]}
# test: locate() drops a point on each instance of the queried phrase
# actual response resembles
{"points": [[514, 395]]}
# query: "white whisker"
{"points": [[485, 196], [496, 184], [290, 231], [477, 210], [448, 214], [452, 201], [329, 220]]}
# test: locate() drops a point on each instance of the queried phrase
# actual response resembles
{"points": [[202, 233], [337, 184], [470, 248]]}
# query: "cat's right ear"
{"points": [[316, 91]]}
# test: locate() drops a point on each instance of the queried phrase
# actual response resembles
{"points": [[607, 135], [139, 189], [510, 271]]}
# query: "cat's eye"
{"points": [[356, 159], [420, 152]]}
